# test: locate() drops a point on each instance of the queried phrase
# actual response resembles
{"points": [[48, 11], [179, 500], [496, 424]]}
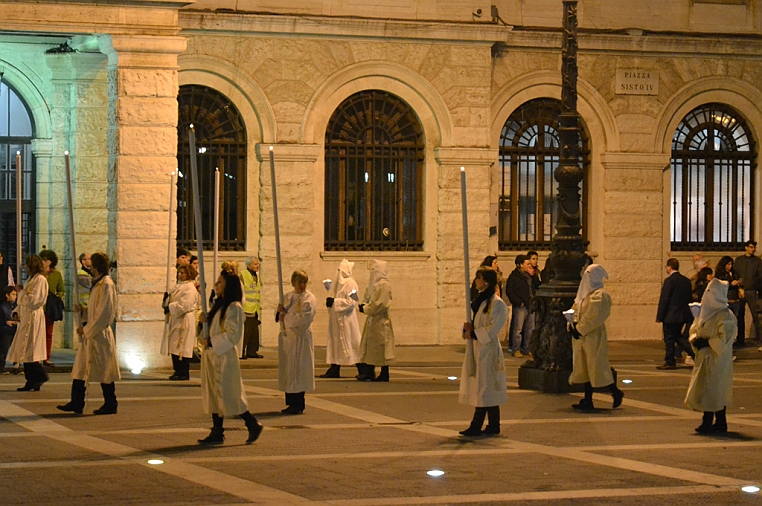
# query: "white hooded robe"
{"points": [[343, 330], [180, 332], [29, 342], [377, 345], [96, 357]]}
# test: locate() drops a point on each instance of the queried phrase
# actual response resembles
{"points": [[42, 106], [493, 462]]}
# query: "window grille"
{"points": [[713, 162], [529, 153], [221, 143], [374, 155]]}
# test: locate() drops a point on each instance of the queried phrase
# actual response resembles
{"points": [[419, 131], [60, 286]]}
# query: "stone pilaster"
{"points": [[142, 152], [633, 248], [296, 181], [450, 277]]}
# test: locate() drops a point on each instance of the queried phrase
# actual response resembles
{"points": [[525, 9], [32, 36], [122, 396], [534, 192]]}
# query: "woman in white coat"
{"points": [[482, 379], [222, 391], [96, 357], [180, 332], [377, 345], [29, 344], [296, 357], [344, 336], [590, 346], [712, 335]]}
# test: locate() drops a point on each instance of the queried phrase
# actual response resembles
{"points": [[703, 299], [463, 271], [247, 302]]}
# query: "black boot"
{"points": [[586, 404], [254, 427], [109, 400], [721, 422], [617, 394], [384, 375], [217, 435], [333, 372], [493, 424], [706, 423], [295, 404], [368, 372], [77, 402], [475, 429]]}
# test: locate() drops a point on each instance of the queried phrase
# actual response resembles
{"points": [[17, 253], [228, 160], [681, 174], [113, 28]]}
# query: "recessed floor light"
{"points": [[435, 473], [751, 489], [155, 462], [452, 378], [626, 382]]}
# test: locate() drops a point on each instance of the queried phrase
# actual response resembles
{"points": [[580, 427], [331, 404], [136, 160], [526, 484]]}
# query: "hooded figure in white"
{"points": [[592, 307], [712, 335], [343, 330], [377, 345], [179, 339]]}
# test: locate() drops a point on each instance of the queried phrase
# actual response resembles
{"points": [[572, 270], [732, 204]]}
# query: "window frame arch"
{"points": [[736, 157], [222, 142], [537, 118], [374, 156]]}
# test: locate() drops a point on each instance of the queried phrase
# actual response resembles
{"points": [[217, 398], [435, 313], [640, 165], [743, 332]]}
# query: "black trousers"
{"points": [[5, 345], [35, 373], [250, 336], [181, 365], [749, 299], [673, 336]]}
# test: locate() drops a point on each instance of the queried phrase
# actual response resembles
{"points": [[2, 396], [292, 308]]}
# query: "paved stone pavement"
{"points": [[364, 444]]}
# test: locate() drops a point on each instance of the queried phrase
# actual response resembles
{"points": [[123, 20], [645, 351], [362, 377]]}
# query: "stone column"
{"points": [[451, 292], [142, 152], [634, 243], [295, 178]]}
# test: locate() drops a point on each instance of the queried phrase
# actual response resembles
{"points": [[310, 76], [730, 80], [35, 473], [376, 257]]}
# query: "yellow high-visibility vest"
{"points": [[84, 292], [251, 288]]}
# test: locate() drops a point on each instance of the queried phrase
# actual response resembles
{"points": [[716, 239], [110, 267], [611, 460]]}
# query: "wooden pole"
{"points": [[277, 228], [19, 221], [172, 194], [466, 257], [199, 235], [216, 216], [72, 241]]}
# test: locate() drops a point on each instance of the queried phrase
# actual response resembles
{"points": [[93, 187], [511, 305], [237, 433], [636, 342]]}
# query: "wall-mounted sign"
{"points": [[637, 82]]}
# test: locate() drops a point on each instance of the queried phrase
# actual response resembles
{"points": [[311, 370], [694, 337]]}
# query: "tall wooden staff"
{"points": [[466, 256], [172, 193], [199, 235], [72, 242], [19, 236], [216, 216], [277, 231]]}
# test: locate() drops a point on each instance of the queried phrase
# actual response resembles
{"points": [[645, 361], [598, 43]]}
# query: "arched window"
{"points": [[374, 151], [713, 162], [529, 153], [221, 143], [16, 132]]}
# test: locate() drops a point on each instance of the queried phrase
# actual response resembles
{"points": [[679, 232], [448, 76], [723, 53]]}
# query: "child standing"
{"points": [[8, 324]]}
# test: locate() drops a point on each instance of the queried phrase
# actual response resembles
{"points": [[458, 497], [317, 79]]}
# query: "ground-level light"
{"points": [[155, 462], [452, 378], [626, 382], [751, 489], [435, 473]]}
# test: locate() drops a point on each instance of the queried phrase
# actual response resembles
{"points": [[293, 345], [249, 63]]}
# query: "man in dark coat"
{"points": [[674, 312], [749, 269], [519, 290]]}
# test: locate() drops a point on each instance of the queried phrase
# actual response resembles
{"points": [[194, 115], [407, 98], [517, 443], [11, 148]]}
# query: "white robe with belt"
{"points": [[711, 387], [377, 345], [482, 378], [343, 330], [180, 332], [222, 390], [296, 357], [591, 350], [29, 343], [96, 357]]}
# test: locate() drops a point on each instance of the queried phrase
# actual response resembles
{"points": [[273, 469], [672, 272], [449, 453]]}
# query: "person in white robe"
{"points": [[29, 345], [180, 331], [222, 390], [590, 346], [712, 335], [296, 357], [344, 335], [377, 345], [96, 358], [482, 379]]}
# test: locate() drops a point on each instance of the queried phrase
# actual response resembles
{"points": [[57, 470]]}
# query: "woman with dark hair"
{"points": [[489, 261], [482, 381], [56, 288], [726, 272], [703, 277], [29, 344], [222, 391], [179, 337], [96, 357]]}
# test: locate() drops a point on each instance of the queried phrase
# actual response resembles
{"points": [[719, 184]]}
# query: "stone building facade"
{"points": [[101, 81]]}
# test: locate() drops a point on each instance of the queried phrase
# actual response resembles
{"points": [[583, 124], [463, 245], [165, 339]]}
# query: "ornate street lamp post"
{"points": [[550, 343]]}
